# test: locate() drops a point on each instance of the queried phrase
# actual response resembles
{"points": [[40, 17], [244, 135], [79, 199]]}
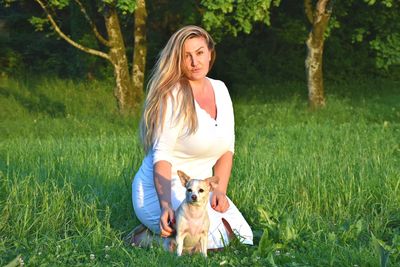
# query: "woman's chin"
{"points": [[196, 76]]}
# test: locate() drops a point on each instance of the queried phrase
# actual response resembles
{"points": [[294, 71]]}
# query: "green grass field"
{"points": [[319, 188]]}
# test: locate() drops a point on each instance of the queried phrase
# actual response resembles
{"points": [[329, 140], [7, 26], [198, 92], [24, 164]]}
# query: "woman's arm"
{"points": [[222, 169], [163, 149], [162, 182]]}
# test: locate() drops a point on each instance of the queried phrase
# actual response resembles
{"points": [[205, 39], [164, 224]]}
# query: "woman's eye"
{"points": [[201, 190], [200, 53]]}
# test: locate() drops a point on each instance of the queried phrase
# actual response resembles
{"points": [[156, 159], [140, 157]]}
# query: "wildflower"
{"points": [[92, 257], [223, 262], [385, 124], [21, 262], [278, 252]]}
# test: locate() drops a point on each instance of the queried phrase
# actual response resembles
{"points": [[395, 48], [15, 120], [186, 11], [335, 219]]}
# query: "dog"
{"points": [[192, 221]]}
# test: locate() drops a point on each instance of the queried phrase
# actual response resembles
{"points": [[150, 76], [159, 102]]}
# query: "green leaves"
{"points": [[232, 17], [387, 50], [7, 3], [359, 35], [125, 6], [382, 249], [59, 4], [370, 2], [387, 3], [38, 23], [279, 234]]}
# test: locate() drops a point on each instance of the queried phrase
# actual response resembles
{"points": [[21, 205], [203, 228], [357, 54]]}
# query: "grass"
{"points": [[319, 188]]}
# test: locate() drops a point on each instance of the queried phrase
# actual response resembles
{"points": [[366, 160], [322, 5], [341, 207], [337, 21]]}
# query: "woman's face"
{"points": [[197, 57]]}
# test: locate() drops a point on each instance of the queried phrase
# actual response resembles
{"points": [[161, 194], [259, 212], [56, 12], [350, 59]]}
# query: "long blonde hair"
{"points": [[167, 75]]}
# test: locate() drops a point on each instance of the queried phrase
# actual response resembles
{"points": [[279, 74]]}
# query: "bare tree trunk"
{"points": [[315, 44], [128, 100], [117, 53], [140, 50]]}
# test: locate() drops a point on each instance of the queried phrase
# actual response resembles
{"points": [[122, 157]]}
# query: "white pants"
{"points": [[147, 209]]}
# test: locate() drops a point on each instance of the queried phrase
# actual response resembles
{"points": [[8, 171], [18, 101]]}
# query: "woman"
{"points": [[187, 125]]}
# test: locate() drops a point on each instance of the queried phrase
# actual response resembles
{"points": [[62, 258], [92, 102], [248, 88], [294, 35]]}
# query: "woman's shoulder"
{"points": [[219, 87], [217, 83]]}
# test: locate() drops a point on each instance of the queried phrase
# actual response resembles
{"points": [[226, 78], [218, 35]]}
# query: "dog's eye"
{"points": [[201, 190], [189, 190]]}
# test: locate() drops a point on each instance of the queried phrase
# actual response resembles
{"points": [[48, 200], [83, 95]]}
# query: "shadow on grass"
{"points": [[36, 102], [381, 90]]}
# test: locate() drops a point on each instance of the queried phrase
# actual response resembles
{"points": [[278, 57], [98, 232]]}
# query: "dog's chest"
{"points": [[192, 226], [195, 230], [196, 227]]}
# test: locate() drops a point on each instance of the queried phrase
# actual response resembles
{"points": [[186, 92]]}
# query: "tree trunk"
{"points": [[123, 89], [140, 50], [315, 44]]}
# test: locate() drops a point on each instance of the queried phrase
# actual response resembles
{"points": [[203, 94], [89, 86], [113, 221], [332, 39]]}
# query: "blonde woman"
{"points": [[187, 125]]}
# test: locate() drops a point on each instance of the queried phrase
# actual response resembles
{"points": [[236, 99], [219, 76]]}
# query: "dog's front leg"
{"points": [[204, 244], [179, 244]]}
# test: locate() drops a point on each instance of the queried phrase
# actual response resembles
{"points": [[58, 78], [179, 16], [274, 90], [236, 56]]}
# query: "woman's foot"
{"points": [[140, 236]]}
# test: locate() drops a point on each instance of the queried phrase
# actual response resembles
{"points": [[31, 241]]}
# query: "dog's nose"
{"points": [[194, 197]]}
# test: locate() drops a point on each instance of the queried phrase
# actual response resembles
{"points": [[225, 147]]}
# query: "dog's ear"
{"points": [[213, 182], [184, 177]]}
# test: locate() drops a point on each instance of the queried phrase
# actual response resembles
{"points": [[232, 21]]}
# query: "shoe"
{"points": [[138, 237]]}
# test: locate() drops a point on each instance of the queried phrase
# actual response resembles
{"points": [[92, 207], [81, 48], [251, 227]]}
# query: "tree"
{"points": [[381, 32], [128, 84], [319, 17], [140, 49]]}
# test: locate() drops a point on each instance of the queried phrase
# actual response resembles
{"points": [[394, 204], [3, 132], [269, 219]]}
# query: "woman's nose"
{"points": [[194, 61]]}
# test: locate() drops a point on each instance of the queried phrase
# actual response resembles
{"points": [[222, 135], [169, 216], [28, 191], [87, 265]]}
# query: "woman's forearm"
{"points": [[162, 182], [222, 169]]}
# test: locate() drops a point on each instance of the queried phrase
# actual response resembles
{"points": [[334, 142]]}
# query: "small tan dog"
{"points": [[192, 222]]}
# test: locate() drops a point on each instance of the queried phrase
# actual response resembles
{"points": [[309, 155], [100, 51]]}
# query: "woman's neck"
{"points": [[199, 86]]}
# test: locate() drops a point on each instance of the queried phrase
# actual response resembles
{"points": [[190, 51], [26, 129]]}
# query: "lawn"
{"points": [[319, 188]]}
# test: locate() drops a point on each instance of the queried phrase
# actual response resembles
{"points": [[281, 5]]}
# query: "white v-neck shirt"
{"points": [[194, 154]]}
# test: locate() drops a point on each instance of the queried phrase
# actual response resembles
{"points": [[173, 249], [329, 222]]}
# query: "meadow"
{"points": [[319, 188]]}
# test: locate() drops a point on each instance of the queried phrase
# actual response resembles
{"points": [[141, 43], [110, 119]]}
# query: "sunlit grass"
{"points": [[319, 188]]}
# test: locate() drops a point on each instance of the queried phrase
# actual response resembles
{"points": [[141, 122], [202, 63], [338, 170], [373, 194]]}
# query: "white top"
{"points": [[195, 154]]}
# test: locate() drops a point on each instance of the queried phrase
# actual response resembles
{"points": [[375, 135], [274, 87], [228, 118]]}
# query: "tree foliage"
{"points": [[381, 31], [109, 37], [232, 17], [361, 37], [376, 22], [351, 17]]}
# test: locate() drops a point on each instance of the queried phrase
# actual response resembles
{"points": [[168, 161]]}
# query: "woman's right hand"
{"points": [[167, 221]]}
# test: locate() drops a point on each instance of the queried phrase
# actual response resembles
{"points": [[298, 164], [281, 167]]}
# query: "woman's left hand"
{"points": [[219, 201]]}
